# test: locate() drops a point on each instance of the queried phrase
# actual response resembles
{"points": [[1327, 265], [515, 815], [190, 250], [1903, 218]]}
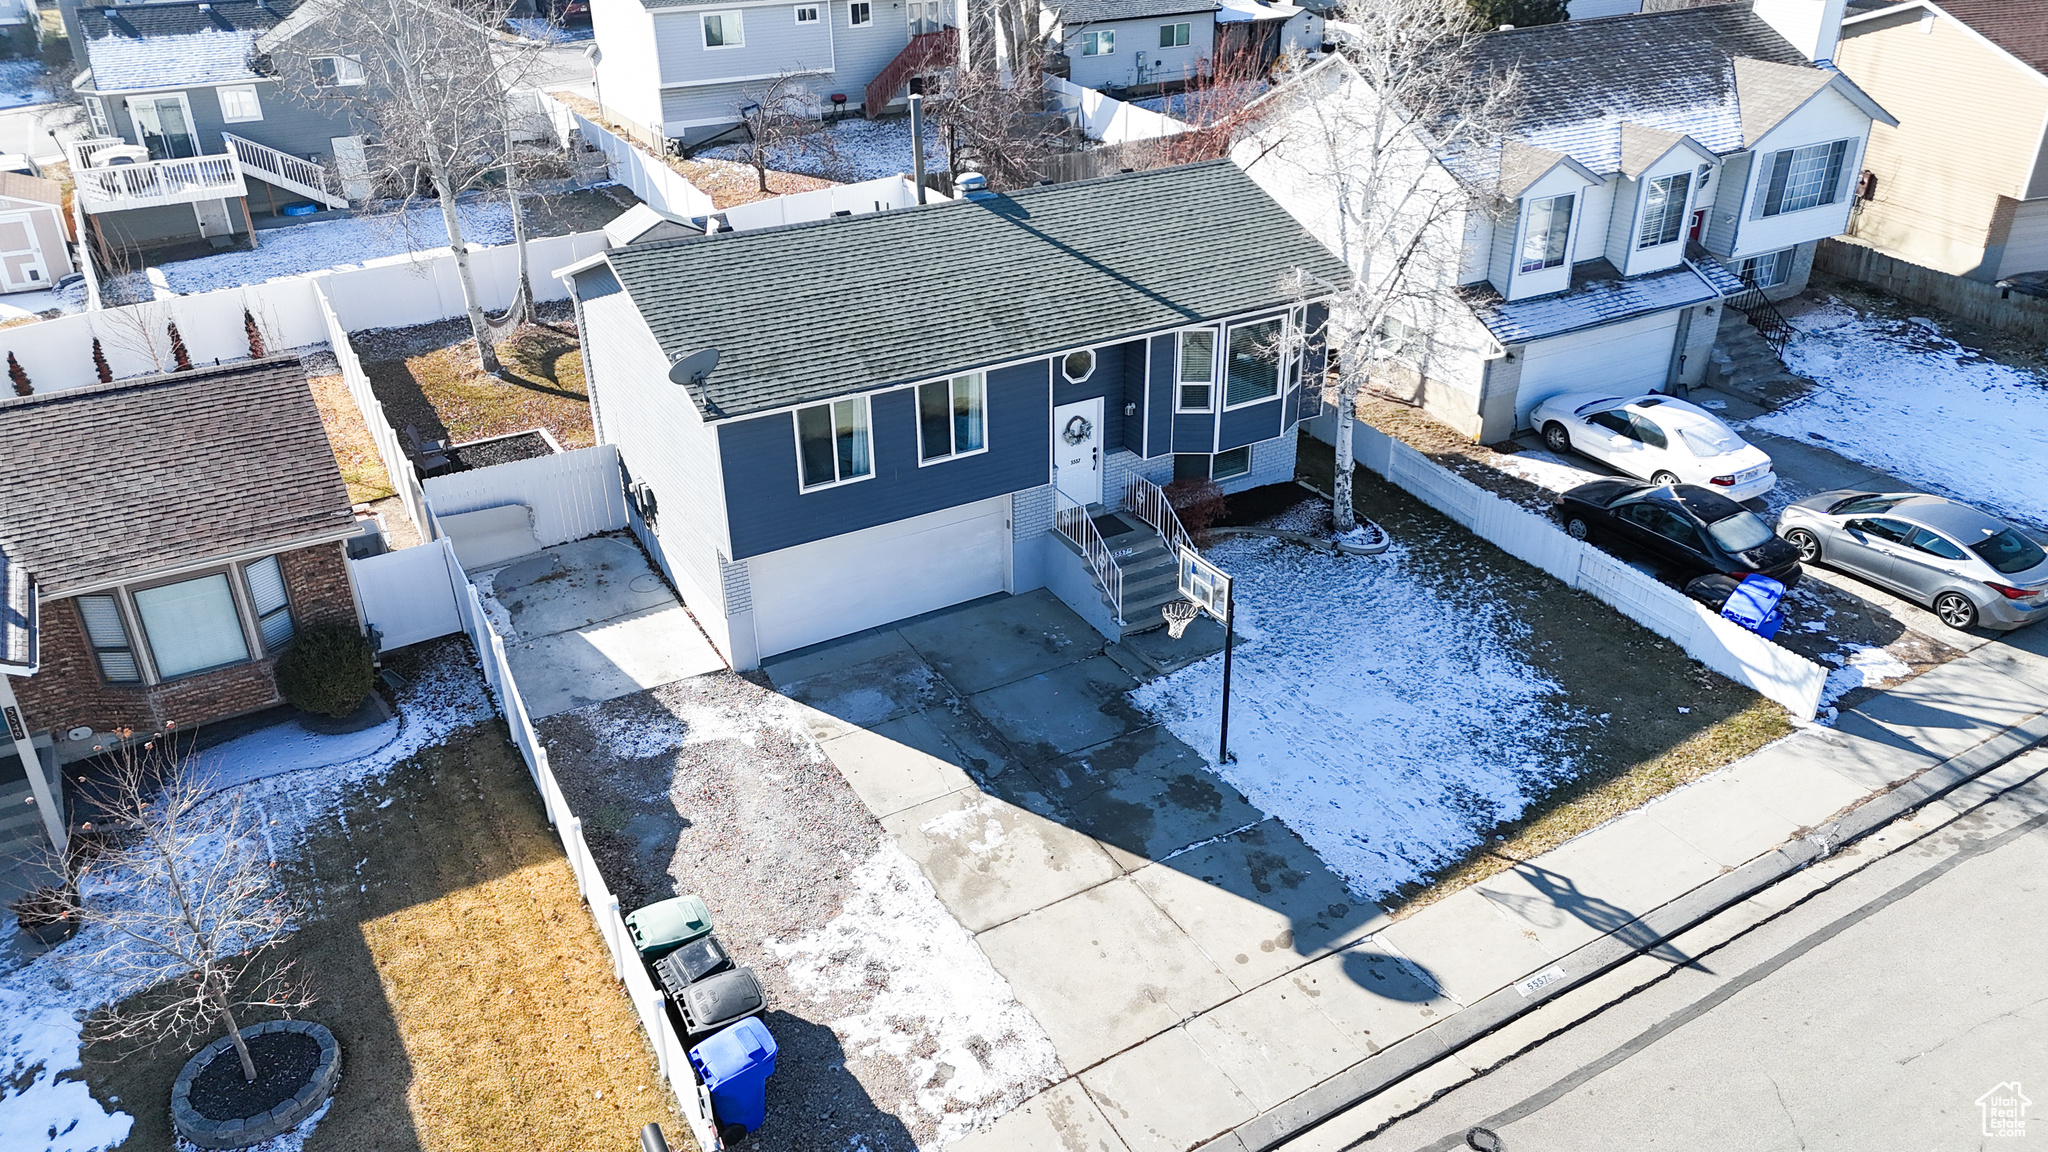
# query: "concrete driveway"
{"points": [[589, 621], [1193, 961]]}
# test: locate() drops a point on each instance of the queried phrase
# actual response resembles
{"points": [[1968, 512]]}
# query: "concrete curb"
{"points": [[1401, 1060], [241, 1132]]}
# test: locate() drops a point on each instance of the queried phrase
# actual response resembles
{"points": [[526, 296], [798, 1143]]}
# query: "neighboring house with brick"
{"points": [[1656, 166], [845, 465], [163, 539], [1960, 185]]}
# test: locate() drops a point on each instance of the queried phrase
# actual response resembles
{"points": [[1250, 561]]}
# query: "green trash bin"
{"points": [[666, 925]]}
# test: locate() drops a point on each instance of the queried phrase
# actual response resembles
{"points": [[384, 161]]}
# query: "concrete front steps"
{"points": [[21, 825], [1744, 364], [1150, 578]]}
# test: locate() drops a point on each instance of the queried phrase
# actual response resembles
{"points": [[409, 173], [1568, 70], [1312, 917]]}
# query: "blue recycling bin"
{"points": [[735, 1065], [1754, 605]]}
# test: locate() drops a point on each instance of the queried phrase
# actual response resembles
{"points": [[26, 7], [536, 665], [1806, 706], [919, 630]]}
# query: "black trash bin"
{"points": [[718, 1000], [694, 961]]}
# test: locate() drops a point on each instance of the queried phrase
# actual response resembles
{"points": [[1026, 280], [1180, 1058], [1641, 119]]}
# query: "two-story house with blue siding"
{"points": [[905, 400], [1659, 168], [190, 133], [683, 69]]}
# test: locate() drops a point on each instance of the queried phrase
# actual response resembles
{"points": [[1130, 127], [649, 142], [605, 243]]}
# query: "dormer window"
{"points": [[1550, 227], [1664, 210]]}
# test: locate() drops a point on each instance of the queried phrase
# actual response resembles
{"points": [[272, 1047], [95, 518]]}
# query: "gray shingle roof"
{"points": [[172, 45], [1667, 71], [115, 480], [1075, 13], [1598, 295], [837, 306]]}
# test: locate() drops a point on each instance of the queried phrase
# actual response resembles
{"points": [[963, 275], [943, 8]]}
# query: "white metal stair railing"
{"points": [[1073, 522], [1144, 500], [284, 170]]}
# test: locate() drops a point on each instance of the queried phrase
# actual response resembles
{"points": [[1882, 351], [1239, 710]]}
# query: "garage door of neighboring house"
{"points": [[828, 588], [21, 262], [1632, 356]]}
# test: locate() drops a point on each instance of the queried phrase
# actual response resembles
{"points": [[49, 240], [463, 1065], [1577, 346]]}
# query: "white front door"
{"points": [[21, 261], [1077, 450]]}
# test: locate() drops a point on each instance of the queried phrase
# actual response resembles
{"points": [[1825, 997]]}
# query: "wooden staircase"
{"points": [[925, 51], [285, 170]]}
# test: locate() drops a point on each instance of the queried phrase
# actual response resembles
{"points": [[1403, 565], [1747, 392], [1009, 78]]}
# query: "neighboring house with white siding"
{"points": [[844, 465], [1960, 185], [1143, 46], [683, 69], [1658, 165]]}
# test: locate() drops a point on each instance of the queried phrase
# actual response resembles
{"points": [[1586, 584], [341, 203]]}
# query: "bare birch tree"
{"points": [[443, 95], [187, 903], [1389, 151]]}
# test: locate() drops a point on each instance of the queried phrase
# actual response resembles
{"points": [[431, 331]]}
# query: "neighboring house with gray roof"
{"points": [[682, 69], [163, 539], [1137, 47], [1657, 165], [904, 399], [192, 134]]}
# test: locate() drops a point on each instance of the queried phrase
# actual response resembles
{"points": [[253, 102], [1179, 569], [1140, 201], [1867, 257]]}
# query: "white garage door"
{"points": [[1633, 356], [828, 588]]}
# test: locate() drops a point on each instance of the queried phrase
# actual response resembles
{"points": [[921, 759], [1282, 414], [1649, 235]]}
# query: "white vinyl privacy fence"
{"points": [[1735, 652], [646, 174], [1104, 118], [420, 593]]}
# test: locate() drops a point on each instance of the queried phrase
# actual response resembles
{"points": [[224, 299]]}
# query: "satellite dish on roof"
{"points": [[692, 369]]}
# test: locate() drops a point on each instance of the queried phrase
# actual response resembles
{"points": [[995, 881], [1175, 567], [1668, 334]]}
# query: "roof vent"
{"points": [[974, 186]]}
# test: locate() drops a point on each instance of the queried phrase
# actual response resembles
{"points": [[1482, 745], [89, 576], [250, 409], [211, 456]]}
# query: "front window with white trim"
{"points": [[1800, 178], [1550, 225], [192, 625], [96, 115], [860, 14], [1770, 269], [951, 419], [272, 603], [1101, 43], [238, 104], [1252, 362], [1196, 373], [724, 30], [807, 14], [1664, 209], [832, 443], [1231, 463]]}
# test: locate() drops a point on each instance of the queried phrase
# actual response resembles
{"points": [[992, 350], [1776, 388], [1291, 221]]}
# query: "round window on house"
{"points": [[1078, 366]]}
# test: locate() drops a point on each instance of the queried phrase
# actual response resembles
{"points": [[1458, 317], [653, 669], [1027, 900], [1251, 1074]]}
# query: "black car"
{"points": [[1688, 529]]}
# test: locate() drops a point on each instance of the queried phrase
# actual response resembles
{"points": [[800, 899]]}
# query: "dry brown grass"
{"points": [[472, 996], [727, 182], [354, 452], [430, 377]]}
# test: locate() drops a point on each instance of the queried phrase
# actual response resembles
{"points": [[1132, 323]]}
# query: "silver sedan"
{"points": [[1969, 567]]}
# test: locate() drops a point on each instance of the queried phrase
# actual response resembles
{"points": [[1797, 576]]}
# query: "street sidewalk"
{"points": [[1501, 947]]}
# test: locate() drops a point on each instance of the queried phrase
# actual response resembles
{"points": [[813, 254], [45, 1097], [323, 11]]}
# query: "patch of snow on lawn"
{"points": [[44, 1001], [24, 82], [1901, 397], [1385, 725], [1861, 666], [346, 242], [860, 150], [1545, 469], [937, 1003], [16, 305]]}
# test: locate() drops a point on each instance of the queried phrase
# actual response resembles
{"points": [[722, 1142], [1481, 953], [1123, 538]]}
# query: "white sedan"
{"points": [[1656, 438]]}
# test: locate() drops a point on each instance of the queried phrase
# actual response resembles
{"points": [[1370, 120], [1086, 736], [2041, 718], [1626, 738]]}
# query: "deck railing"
{"points": [[283, 169], [1073, 522], [158, 182]]}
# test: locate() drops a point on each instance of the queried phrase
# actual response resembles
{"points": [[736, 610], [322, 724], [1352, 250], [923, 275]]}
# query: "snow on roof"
{"points": [[1244, 11], [213, 56], [1598, 295]]}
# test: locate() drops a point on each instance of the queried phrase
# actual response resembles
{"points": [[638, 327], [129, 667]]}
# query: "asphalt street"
{"points": [[1890, 997]]}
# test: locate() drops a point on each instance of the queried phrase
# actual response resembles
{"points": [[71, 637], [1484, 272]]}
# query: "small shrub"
{"points": [[328, 671], [1200, 504], [45, 906]]}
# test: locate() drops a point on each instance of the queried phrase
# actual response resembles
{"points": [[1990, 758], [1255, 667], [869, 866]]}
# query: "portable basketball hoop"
{"points": [[1205, 588]]}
